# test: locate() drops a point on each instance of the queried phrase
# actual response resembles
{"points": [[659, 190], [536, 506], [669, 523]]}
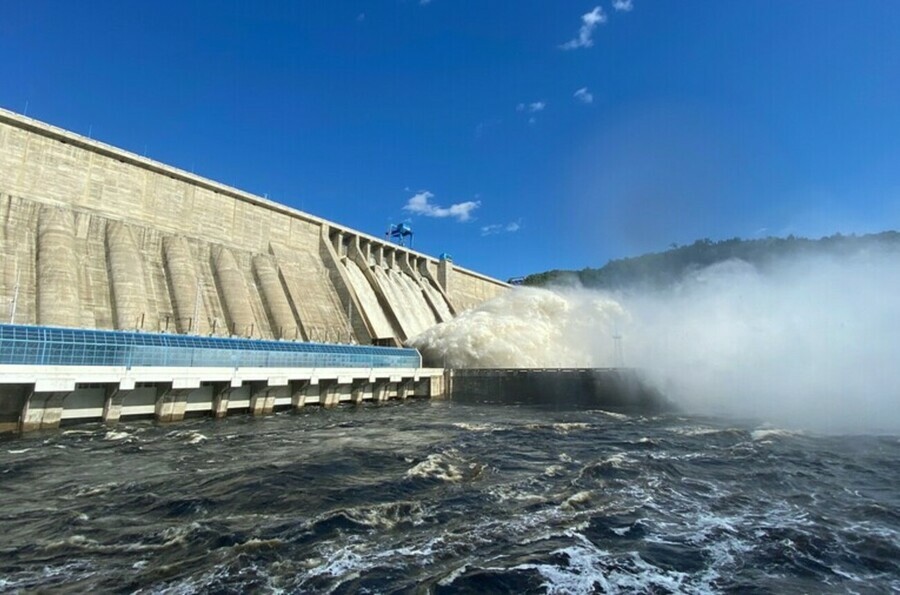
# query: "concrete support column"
{"points": [[12, 402], [380, 391], [221, 394], [262, 400], [360, 391], [445, 272], [379, 255], [331, 396], [308, 392], [437, 387], [363, 248], [171, 404], [112, 404], [405, 388], [42, 411], [298, 394], [344, 390]]}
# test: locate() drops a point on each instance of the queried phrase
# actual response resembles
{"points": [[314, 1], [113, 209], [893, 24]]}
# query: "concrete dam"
{"points": [[95, 237], [98, 240]]}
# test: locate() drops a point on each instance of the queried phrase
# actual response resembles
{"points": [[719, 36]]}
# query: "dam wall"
{"points": [[93, 236]]}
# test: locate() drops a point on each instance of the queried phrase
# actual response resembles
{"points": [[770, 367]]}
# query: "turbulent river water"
{"points": [[448, 498]]}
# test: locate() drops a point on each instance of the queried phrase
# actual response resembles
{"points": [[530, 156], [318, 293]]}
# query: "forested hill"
{"points": [[663, 268]]}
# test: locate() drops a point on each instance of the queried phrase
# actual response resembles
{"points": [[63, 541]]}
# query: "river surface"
{"points": [[447, 498]]}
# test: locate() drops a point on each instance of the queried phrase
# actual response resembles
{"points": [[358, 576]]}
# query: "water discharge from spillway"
{"points": [[811, 342], [527, 328]]}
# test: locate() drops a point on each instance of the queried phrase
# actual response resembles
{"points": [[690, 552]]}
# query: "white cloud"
{"points": [[360, 17], [589, 22], [495, 228], [532, 108], [624, 5], [420, 205], [584, 96]]}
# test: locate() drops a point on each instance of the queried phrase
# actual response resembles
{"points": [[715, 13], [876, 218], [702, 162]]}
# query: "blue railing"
{"points": [[55, 346]]}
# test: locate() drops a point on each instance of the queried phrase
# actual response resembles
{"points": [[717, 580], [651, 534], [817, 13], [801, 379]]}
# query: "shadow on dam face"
{"points": [[619, 390]]}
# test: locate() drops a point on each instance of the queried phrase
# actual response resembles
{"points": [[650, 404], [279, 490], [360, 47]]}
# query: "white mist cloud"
{"points": [[811, 343], [589, 22], [420, 205], [622, 5]]}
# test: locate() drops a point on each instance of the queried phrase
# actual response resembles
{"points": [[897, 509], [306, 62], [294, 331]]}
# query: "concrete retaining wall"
{"points": [[610, 389]]}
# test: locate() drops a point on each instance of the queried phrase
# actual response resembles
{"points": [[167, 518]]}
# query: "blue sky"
{"points": [[517, 136]]}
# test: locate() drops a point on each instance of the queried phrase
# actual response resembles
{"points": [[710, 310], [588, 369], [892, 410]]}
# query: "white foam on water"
{"points": [[96, 490], [767, 434], [554, 470], [698, 430], [565, 428], [196, 438], [577, 500], [612, 414], [447, 466], [476, 427], [453, 575], [589, 569], [388, 515]]}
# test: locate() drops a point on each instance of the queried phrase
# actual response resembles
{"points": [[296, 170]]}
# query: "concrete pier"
{"points": [[42, 397]]}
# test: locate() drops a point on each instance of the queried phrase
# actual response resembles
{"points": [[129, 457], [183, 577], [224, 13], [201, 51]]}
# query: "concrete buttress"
{"points": [[235, 296], [281, 316], [58, 302], [126, 275], [184, 286]]}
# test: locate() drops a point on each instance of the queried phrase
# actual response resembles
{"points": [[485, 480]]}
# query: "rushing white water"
{"points": [[527, 328], [406, 299], [811, 342], [395, 299], [369, 301], [438, 300], [420, 309]]}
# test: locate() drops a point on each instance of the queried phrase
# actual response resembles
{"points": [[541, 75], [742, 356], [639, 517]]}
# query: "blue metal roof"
{"points": [[43, 345]]}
